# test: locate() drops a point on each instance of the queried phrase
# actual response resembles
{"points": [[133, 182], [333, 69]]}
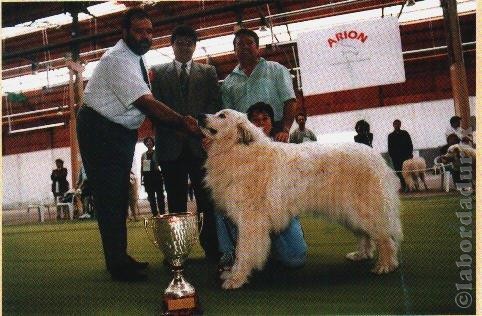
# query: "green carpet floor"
{"points": [[58, 268]]}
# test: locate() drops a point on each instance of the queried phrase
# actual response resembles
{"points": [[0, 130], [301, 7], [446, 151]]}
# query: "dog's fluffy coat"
{"points": [[261, 185], [412, 170]]}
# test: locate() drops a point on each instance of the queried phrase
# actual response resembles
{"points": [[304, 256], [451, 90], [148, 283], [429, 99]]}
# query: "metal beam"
{"points": [[76, 40]]}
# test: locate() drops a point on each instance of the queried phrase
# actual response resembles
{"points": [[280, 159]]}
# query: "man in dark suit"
{"points": [[188, 87], [400, 148]]}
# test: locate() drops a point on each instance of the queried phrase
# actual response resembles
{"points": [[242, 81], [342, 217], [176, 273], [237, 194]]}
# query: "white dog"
{"points": [[412, 170], [261, 185]]}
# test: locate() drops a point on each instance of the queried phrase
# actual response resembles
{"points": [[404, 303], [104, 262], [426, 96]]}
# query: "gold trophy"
{"points": [[175, 234]]}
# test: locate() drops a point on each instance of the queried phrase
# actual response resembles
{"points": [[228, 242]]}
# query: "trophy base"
{"points": [[181, 306]]}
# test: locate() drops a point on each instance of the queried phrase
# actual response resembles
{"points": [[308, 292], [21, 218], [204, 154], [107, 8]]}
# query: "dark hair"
{"points": [[59, 160], [397, 120], [147, 138], [131, 14], [455, 119], [261, 107], [301, 114], [363, 126], [183, 30], [453, 136], [247, 32]]}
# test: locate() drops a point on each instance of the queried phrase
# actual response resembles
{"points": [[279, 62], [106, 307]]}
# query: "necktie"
{"points": [[184, 81], [144, 73]]}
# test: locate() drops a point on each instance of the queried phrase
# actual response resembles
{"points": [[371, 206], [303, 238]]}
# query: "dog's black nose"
{"points": [[201, 118]]}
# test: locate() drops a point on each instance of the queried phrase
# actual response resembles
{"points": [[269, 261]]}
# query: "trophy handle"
{"points": [[201, 220], [149, 235]]}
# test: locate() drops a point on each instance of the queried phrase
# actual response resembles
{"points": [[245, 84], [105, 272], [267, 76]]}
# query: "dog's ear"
{"points": [[244, 134]]}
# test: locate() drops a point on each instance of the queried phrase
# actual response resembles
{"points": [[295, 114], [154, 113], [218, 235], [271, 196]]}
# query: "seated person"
{"points": [[289, 246], [452, 139]]}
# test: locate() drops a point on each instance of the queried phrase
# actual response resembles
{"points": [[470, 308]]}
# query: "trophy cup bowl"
{"points": [[175, 234]]}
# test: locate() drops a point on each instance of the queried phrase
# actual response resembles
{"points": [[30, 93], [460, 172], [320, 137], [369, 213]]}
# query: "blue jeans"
{"points": [[289, 246]]}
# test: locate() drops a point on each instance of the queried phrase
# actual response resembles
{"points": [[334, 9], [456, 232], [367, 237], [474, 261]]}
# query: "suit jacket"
{"points": [[203, 97], [400, 147]]}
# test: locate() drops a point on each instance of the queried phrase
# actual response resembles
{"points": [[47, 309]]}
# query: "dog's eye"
{"points": [[222, 115]]}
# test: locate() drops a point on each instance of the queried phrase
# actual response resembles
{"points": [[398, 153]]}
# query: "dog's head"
{"points": [[230, 126]]}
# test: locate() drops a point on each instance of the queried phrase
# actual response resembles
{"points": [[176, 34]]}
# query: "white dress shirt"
{"points": [[450, 130], [117, 82], [179, 65]]}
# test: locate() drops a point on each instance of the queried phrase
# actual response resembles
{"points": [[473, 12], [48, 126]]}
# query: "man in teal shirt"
{"points": [[258, 80]]}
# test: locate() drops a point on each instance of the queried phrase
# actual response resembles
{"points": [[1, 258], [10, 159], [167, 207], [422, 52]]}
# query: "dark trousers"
{"points": [[175, 175], [397, 165], [107, 150], [154, 187]]}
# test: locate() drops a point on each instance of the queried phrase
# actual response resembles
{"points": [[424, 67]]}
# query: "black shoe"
{"points": [[136, 265], [127, 275]]}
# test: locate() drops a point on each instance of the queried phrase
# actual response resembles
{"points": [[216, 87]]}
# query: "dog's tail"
{"points": [[390, 186]]}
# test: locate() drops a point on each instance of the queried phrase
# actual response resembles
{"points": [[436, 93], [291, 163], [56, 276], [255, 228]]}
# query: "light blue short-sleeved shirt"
{"points": [[117, 82], [270, 82]]}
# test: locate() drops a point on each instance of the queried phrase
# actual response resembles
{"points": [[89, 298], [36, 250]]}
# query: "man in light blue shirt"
{"points": [[258, 80]]}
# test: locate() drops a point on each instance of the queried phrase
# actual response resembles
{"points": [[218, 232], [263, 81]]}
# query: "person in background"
{"points": [[151, 178], [289, 246], [60, 185], [302, 134], [400, 148], [117, 99], [454, 169], [255, 80], [191, 88], [85, 194], [454, 127], [363, 135]]}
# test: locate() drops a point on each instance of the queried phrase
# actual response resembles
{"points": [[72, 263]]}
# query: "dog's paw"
{"points": [[385, 268], [233, 283], [357, 256]]}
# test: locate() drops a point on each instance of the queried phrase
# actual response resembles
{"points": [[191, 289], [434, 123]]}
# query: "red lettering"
{"points": [[352, 34], [348, 34], [362, 37], [331, 42]]}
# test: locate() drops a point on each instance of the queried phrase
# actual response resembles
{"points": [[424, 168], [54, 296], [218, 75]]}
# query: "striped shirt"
{"points": [[117, 82]]}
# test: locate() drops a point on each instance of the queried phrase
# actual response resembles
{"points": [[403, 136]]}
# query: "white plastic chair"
{"points": [[445, 175], [70, 205]]}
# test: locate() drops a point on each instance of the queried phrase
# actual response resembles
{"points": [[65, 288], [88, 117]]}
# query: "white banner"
{"points": [[351, 56]]}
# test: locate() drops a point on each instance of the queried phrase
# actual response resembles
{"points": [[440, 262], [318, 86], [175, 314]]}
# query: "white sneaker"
{"points": [[85, 216]]}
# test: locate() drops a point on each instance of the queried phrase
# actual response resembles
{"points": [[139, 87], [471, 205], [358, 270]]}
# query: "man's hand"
{"points": [[190, 124], [282, 136]]}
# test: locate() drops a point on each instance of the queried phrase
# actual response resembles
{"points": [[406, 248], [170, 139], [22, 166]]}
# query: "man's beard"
{"points": [[138, 47]]}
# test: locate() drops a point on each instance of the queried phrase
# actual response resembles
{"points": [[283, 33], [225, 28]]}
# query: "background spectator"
{"points": [[302, 134], [363, 135], [60, 185], [454, 127], [400, 148], [151, 178]]}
